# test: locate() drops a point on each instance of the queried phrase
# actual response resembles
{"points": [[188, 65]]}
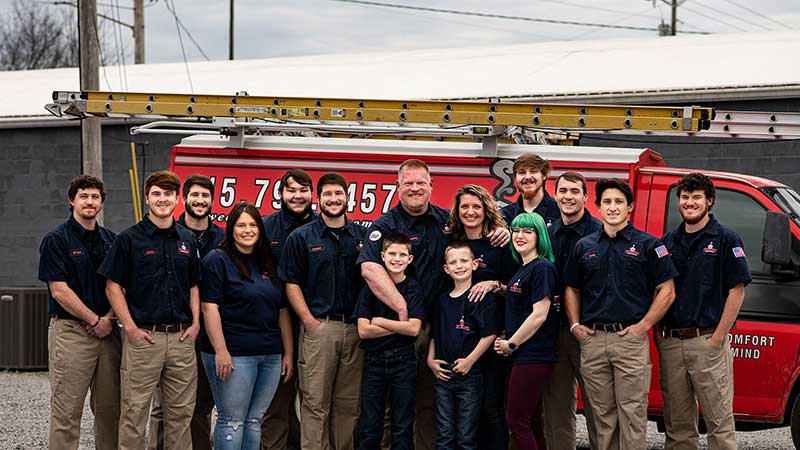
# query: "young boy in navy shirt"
{"points": [[462, 332], [390, 362]]}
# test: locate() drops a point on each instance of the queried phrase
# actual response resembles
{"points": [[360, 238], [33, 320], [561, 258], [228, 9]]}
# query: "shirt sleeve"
{"points": [[659, 263], [487, 316], [116, 264], [543, 283], [372, 245], [362, 309], [415, 303], [572, 270], [53, 262], [293, 266], [213, 280], [734, 263]]}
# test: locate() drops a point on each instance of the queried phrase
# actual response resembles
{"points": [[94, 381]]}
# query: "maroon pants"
{"points": [[525, 404]]}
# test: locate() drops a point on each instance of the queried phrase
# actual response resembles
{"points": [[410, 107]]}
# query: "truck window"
{"points": [[737, 211]]}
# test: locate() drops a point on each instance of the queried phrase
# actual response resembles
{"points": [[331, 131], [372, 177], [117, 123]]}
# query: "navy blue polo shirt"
{"points": [[157, 268], [710, 262], [72, 254], [532, 283], [617, 276], [563, 239], [208, 239], [547, 208], [249, 307], [459, 324], [322, 261], [429, 237], [277, 228], [369, 306]]}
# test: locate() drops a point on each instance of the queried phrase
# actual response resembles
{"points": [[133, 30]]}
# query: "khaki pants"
{"points": [[79, 363], [560, 399], [200, 427], [616, 373], [275, 427], [425, 414], [329, 365], [144, 365], [694, 371]]}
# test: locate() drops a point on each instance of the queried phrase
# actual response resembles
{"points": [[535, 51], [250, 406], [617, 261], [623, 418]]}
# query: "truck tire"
{"points": [[795, 422]]}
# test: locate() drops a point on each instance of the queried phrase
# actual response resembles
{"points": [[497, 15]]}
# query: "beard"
{"points": [[295, 216], [694, 220], [330, 214], [190, 212], [530, 194]]}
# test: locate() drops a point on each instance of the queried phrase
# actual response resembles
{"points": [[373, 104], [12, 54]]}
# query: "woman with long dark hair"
{"points": [[248, 328], [473, 217], [531, 329]]}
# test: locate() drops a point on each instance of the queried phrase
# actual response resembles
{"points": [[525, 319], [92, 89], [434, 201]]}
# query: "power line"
{"points": [[754, 12], [122, 47], [180, 39], [185, 30], [502, 16], [712, 18], [724, 13]]}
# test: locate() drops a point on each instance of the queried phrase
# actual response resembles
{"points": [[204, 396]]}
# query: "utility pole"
{"points": [[674, 17], [230, 35], [138, 31], [89, 50]]}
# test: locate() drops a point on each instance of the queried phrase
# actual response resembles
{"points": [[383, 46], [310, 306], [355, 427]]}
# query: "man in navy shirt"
{"points": [[694, 353], [198, 195], [618, 285], [426, 226], [530, 176], [318, 265], [280, 428], [559, 397], [85, 346], [152, 272]]}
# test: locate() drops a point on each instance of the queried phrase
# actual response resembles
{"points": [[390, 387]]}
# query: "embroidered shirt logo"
{"points": [[461, 325], [183, 248], [150, 251], [76, 252], [661, 251], [515, 287], [481, 262], [274, 242], [317, 248], [710, 249], [632, 251]]}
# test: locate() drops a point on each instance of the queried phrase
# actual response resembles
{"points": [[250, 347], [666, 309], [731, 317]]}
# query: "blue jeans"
{"points": [[458, 408], [393, 372], [242, 399]]}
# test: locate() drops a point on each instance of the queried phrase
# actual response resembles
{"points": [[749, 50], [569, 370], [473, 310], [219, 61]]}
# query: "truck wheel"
{"points": [[795, 422]]}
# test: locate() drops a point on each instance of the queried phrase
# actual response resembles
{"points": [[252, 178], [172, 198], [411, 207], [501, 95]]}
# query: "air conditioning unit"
{"points": [[23, 328]]}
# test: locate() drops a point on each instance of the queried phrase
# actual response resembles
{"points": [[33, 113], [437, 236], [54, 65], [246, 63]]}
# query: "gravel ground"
{"points": [[24, 400]]}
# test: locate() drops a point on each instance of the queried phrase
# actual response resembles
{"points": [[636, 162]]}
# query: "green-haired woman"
{"points": [[531, 329]]}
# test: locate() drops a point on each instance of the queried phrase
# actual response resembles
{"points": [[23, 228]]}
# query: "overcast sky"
{"points": [[268, 28]]}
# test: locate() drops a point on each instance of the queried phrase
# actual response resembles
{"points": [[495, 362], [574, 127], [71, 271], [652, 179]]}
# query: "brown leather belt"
{"points": [[687, 333], [166, 328], [609, 327]]}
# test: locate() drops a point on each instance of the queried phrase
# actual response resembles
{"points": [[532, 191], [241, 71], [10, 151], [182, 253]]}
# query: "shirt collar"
{"points": [[321, 228], [182, 221], [579, 226], [78, 228], [711, 228], [546, 200], [626, 233], [150, 229]]}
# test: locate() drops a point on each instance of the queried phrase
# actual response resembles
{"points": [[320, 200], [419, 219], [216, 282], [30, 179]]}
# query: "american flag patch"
{"points": [[661, 251], [738, 252]]}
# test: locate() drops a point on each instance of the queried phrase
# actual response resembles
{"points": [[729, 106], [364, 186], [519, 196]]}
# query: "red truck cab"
{"points": [[766, 338]]}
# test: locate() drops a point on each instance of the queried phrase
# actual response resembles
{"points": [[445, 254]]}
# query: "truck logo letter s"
{"points": [[503, 171]]}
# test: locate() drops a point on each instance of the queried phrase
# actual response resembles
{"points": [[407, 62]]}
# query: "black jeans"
{"points": [[392, 373], [493, 431], [458, 408]]}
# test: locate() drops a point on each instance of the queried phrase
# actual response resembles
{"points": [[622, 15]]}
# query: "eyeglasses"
{"points": [[524, 231]]}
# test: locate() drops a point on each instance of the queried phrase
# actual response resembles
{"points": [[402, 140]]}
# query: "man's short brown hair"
{"points": [[574, 177], [299, 176], [533, 162], [200, 180], [164, 179], [413, 164], [86, 182]]}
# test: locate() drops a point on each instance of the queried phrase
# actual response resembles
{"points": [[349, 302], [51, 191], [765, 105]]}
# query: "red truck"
{"points": [[766, 214]]}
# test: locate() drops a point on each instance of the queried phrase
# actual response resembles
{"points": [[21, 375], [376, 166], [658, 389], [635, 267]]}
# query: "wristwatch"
{"points": [[512, 346]]}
